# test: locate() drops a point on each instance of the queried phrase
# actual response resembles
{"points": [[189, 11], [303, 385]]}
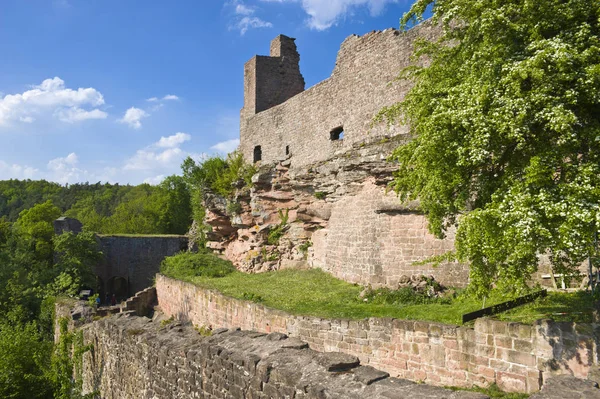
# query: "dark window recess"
{"points": [[337, 133], [287, 150], [257, 153]]}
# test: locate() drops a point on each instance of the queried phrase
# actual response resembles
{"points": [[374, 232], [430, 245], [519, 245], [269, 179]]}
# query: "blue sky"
{"points": [[123, 90]]}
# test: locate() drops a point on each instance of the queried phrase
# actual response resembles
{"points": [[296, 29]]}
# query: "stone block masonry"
{"points": [[362, 82], [130, 263], [134, 357], [515, 356], [372, 239]]}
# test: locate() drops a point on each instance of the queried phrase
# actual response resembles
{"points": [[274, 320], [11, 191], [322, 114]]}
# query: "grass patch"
{"points": [[142, 235], [559, 306], [316, 293], [188, 264], [168, 321], [493, 392]]}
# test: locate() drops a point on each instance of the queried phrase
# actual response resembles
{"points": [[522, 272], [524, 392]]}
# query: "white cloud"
{"points": [[325, 13], [147, 159], [59, 164], [154, 180], [226, 146], [168, 97], [165, 153], [65, 170], [244, 18], [76, 114], [51, 97], [14, 171], [251, 22], [133, 117], [173, 141], [242, 9]]}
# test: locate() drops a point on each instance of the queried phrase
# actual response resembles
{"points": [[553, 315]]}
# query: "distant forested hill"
{"points": [[106, 208]]}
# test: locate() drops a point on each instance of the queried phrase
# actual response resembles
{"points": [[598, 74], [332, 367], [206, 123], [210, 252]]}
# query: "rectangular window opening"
{"points": [[257, 153], [336, 133]]}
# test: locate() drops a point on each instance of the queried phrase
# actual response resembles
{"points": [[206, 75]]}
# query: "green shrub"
{"points": [[203, 330], [277, 232], [304, 247], [250, 296], [189, 264], [168, 321], [233, 208], [217, 174], [320, 195]]}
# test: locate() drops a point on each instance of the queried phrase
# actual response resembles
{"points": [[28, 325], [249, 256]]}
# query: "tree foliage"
{"points": [[104, 208], [217, 174], [24, 361], [506, 133]]}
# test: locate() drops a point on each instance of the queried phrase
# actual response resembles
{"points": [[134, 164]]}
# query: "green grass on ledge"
{"points": [[316, 293], [142, 235]]}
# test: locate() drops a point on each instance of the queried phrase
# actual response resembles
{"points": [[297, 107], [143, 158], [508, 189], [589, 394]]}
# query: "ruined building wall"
{"points": [[334, 190], [271, 80], [372, 239], [130, 263], [360, 85], [515, 356]]}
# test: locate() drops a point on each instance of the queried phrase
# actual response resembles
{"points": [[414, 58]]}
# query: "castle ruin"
{"points": [[322, 166]]}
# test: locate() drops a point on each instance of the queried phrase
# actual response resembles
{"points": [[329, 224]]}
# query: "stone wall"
{"points": [[360, 85], [271, 80], [142, 303], [515, 356], [134, 357], [130, 263], [372, 239]]}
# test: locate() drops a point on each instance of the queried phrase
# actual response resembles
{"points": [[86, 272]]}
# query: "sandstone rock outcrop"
{"points": [[337, 214]]}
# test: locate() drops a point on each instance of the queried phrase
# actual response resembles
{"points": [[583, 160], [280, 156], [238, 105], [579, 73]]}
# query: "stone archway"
{"points": [[118, 286]]}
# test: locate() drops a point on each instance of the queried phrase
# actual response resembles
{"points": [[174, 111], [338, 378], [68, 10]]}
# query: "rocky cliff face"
{"points": [[335, 214]]}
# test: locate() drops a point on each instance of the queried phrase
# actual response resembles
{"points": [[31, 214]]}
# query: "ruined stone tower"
{"points": [[271, 80]]}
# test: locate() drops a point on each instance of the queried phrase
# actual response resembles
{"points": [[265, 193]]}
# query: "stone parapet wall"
{"points": [[142, 303], [515, 356], [133, 357]]}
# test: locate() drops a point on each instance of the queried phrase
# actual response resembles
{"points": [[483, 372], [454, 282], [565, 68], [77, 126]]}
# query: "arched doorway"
{"points": [[119, 287]]}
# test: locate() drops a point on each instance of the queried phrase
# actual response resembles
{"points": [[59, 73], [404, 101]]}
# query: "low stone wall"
{"points": [[136, 358], [515, 356], [141, 303]]}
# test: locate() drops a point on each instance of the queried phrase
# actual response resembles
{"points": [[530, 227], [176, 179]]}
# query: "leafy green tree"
{"points": [[5, 228], [506, 133], [85, 211], [77, 254], [35, 227], [177, 216], [24, 361]]}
